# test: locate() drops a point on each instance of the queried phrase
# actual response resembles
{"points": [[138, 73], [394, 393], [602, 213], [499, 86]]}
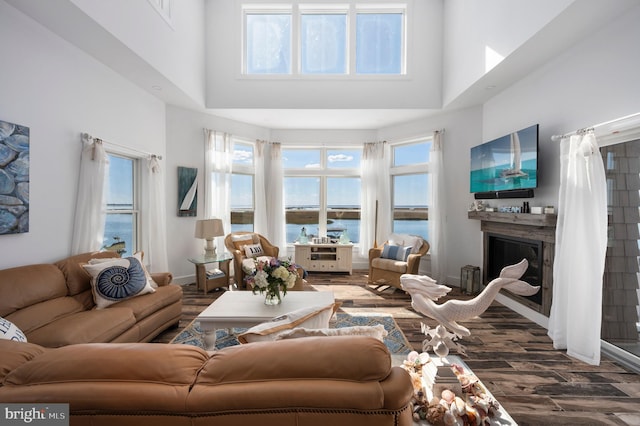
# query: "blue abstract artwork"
{"points": [[14, 178]]}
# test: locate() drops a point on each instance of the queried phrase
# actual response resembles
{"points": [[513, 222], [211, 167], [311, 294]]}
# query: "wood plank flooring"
{"points": [[513, 356]]}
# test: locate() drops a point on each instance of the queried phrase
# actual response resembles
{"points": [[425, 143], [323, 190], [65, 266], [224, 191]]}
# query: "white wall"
{"points": [[478, 34], [59, 92], [227, 88], [463, 129], [185, 148], [591, 83], [176, 50]]}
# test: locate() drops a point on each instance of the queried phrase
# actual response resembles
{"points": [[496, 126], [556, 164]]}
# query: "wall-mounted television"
{"points": [[509, 163]]}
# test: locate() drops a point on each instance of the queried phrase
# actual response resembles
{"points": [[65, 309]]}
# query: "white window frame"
{"points": [[323, 172], [163, 7], [405, 170], [351, 8], [135, 210], [246, 170]]}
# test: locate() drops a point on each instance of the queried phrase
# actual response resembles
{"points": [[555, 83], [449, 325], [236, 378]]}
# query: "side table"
{"points": [[223, 259]]}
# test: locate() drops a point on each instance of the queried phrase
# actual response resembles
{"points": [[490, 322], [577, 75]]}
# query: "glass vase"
{"points": [[272, 296]]}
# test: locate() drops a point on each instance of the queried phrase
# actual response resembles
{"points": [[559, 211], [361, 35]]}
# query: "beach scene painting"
{"points": [[14, 178]]}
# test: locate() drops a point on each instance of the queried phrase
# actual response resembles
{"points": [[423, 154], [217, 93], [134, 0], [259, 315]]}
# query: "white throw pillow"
{"points": [[117, 280], [376, 331], [406, 240], [9, 331], [311, 317], [253, 250]]}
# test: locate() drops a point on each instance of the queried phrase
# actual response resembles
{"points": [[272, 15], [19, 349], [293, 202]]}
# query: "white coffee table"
{"points": [[245, 309]]}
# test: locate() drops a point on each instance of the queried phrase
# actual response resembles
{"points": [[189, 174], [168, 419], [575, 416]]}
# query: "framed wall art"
{"points": [[187, 191], [14, 178]]}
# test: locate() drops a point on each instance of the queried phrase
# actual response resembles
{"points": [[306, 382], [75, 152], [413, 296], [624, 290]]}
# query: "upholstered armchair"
{"points": [[390, 260], [238, 243]]}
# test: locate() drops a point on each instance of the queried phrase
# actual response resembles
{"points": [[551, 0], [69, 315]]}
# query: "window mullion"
{"points": [[295, 40]]}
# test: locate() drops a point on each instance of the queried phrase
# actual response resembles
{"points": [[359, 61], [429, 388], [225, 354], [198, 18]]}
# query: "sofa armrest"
{"points": [[162, 278]]}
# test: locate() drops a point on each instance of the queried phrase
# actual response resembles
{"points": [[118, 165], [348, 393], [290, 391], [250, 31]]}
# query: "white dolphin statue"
{"points": [[425, 291]]}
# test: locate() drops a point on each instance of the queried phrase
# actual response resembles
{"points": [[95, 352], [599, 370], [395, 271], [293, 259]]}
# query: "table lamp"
{"points": [[208, 229]]}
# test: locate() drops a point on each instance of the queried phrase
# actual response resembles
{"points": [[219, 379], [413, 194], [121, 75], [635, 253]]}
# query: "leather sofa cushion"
{"points": [[389, 265], [14, 354], [35, 316], [289, 359], [147, 304], [77, 279], [135, 377], [36, 283], [97, 325]]}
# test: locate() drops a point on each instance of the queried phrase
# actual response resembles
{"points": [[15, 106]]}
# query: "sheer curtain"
{"points": [[375, 210], [269, 216], [581, 243], [90, 215], [154, 222], [437, 210], [217, 179]]}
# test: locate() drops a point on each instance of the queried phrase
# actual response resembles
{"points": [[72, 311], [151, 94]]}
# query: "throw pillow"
{"points": [[241, 240], [395, 252], [117, 280], [138, 255], [376, 331], [406, 240], [9, 331], [253, 250], [311, 317]]}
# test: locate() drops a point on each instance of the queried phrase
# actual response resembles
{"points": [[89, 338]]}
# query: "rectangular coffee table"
{"points": [[245, 309]]}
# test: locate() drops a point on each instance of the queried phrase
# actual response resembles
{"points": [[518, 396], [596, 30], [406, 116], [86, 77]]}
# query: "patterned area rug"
{"points": [[395, 340]]}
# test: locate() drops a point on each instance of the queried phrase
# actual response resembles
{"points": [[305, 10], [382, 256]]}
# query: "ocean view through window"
{"points": [[121, 224]]}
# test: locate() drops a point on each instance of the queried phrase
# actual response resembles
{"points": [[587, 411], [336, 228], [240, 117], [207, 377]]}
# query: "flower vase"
{"points": [[272, 296]]}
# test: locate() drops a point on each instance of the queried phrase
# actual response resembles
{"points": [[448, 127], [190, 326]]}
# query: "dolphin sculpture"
{"points": [[425, 291]]}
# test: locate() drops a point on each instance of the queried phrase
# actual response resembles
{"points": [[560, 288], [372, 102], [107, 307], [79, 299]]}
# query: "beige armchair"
{"points": [[388, 271], [235, 244]]}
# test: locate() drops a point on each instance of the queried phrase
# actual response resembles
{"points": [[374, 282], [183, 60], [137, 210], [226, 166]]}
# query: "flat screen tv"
{"points": [[507, 163]]}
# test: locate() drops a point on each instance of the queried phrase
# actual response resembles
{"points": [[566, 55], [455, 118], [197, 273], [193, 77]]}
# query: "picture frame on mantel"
{"points": [[14, 178], [187, 191]]}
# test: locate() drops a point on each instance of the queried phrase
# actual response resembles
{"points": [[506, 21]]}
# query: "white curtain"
{"points": [[375, 210], [90, 215], [437, 210], [217, 179], [581, 243], [154, 208], [269, 217]]}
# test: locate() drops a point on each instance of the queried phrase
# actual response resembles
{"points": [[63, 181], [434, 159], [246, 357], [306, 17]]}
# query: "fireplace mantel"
{"points": [[539, 227]]}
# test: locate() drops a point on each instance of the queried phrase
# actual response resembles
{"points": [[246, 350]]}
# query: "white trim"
{"points": [[163, 7]]}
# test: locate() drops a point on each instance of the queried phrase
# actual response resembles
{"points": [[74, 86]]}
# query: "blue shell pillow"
{"points": [[117, 280], [390, 251]]}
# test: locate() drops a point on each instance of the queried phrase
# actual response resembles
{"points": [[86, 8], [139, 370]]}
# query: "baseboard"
{"points": [[526, 312]]}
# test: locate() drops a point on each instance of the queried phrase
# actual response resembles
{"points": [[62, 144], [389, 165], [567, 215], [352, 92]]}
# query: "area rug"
{"points": [[395, 339]]}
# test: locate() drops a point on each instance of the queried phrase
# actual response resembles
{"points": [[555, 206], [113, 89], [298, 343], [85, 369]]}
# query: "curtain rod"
{"points": [[88, 136], [556, 138]]}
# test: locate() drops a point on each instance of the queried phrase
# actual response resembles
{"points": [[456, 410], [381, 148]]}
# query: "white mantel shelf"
{"points": [[516, 218]]}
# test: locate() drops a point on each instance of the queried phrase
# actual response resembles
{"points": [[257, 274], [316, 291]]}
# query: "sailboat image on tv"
{"points": [[516, 161], [506, 163]]}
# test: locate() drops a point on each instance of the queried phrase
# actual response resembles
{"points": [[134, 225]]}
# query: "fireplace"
{"points": [[503, 251], [510, 237]]}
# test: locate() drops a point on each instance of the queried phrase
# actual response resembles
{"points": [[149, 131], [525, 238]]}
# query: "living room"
{"points": [[85, 66]]}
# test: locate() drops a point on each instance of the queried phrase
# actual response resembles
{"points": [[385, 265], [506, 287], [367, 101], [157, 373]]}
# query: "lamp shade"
{"points": [[209, 228]]}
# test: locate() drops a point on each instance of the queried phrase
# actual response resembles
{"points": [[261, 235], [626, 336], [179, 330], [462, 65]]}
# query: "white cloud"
{"points": [[241, 156], [339, 158]]}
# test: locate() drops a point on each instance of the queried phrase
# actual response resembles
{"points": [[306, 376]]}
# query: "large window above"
{"points": [[324, 39]]}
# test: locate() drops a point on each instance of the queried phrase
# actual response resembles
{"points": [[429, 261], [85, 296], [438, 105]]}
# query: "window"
{"points": [[410, 186], [322, 192], [268, 43], [379, 43], [163, 7], [242, 187], [324, 39], [121, 225]]}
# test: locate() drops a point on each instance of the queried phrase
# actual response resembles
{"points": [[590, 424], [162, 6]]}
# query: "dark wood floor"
{"points": [[513, 356]]}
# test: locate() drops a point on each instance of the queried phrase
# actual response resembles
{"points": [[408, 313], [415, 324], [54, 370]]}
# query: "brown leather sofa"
{"points": [[343, 380], [53, 305]]}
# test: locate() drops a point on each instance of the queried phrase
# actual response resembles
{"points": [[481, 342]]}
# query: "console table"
{"points": [[325, 257]]}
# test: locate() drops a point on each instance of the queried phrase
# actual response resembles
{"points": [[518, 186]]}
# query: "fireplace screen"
{"points": [[503, 251]]}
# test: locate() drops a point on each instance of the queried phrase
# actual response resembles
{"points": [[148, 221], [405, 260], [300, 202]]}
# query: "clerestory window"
{"points": [[324, 39]]}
